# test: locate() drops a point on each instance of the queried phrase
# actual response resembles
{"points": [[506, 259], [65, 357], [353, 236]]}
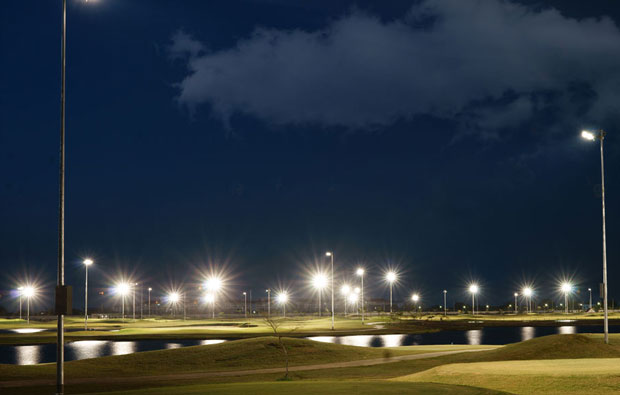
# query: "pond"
{"points": [[82, 349], [494, 335]]}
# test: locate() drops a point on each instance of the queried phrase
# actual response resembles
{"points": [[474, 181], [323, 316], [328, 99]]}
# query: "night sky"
{"points": [[438, 137]]}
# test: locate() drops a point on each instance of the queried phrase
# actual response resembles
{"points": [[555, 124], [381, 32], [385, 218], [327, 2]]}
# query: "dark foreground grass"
{"points": [[320, 387]]}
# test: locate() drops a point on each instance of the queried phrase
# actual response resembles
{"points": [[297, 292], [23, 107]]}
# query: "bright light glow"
{"points": [[150, 289], [527, 291], [28, 291], [415, 297], [282, 298], [588, 135], [209, 298], [345, 290], [352, 298], [357, 290], [319, 281], [473, 288], [390, 276], [360, 272], [88, 262], [122, 289], [328, 253], [213, 284], [174, 297], [567, 288], [244, 294], [516, 294]]}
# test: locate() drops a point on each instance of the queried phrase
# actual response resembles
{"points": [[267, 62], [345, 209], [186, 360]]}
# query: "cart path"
{"points": [[233, 373]]}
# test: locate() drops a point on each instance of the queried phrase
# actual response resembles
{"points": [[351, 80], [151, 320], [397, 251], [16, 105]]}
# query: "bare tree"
{"points": [[274, 325]]}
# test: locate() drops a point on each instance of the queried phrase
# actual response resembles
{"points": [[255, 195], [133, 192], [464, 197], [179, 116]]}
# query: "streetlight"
{"points": [[210, 298], [516, 303], [331, 255], [213, 285], [268, 302], [122, 289], [390, 277], [150, 289], [20, 290], [590, 291], [415, 298], [566, 288], [473, 289], [527, 292], [445, 305], [345, 290], [87, 263], [282, 298], [245, 304], [360, 272], [133, 289], [600, 135], [319, 281], [28, 293]]}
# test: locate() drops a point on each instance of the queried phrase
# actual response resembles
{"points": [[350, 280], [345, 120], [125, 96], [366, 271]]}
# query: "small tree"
{"points": [[274, 325]]}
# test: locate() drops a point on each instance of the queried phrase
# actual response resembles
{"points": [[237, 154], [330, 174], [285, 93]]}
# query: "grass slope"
{"points": [[558, 376], [255, 353]]}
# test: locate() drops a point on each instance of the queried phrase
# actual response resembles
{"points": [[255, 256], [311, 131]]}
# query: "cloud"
{"points": [[488, 64]]}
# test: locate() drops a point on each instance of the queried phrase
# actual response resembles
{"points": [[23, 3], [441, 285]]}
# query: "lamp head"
{"points": [[88, 262]]}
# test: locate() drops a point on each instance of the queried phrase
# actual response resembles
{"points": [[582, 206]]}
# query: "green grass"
{"points": [[557, 376], [244, 354], [321, 387]]}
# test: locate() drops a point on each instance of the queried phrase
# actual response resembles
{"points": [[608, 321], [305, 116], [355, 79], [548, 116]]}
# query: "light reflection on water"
{"points": [[474, 336], [567, 330], [27, 355], [211, 341], [527, 333], [122, 348], [87, 348]]}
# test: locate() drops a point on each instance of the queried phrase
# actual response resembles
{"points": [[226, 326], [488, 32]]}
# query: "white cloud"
{"points": [[360, 72]]}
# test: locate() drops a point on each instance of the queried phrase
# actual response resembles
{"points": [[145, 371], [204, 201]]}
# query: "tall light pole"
{"points": [[445, 306], [527, 292], [150, 289], [566, 289], [473, 289], [360, 272], [331, 255], [87, 263], [20, 290], [282, 299], [60, 286], [590, 291], [600, 135], [141, 302], [415, 298], [319, 282], [390, 277], [345, 290], [516, 306], [133, 286], [28, 293], [245, 305], [268, 302]]}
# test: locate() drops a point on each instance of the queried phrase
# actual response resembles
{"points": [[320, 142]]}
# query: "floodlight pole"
{"points": [[28, 308], [150, 289], [320, 290], [134, 301], [331, 255], [391, 297], [86, 300], [60, 330], [473, 306], [268, 303], [590, 291], [363, 298], [606, 324], [445, 306]]}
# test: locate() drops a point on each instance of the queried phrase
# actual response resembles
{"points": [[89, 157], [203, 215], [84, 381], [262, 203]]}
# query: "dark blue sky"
{"points": [[432, 136]]}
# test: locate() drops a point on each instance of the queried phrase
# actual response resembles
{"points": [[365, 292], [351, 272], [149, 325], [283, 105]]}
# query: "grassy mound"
{"points": [[254, 353], [559, 376], [556, 347]]}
